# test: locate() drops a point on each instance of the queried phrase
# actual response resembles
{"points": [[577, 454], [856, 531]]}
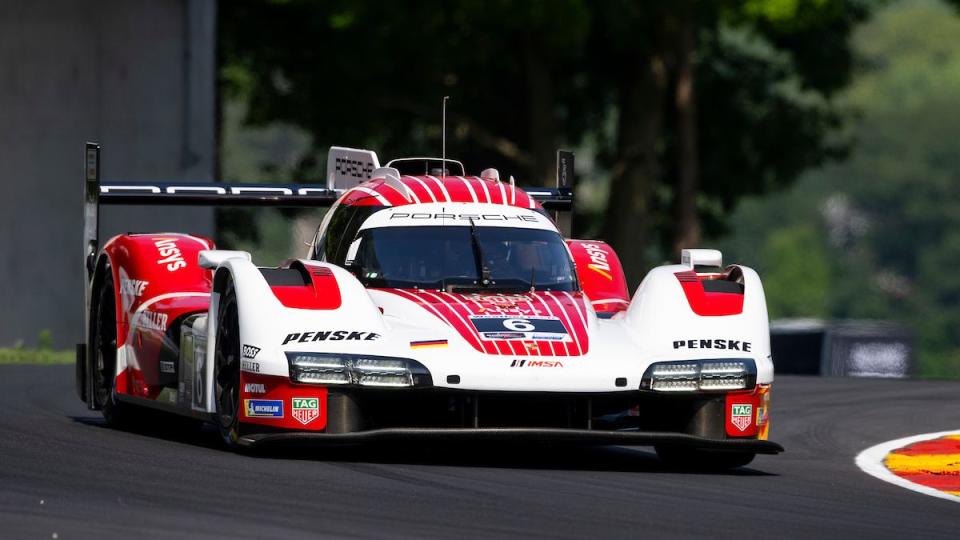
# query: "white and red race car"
{"points": [[430, 306]]}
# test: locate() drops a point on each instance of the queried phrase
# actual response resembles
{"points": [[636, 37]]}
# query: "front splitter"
{"points": [[514, 435]]}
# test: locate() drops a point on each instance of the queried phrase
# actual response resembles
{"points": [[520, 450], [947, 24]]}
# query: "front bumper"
{"points": [[513, 435]]}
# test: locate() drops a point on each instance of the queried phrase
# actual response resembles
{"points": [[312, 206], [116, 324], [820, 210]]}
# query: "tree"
{"points": [[710, 100], [888, 217]]}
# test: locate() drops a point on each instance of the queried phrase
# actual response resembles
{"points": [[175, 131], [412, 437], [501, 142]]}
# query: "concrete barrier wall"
{"points": [[139, 78]]}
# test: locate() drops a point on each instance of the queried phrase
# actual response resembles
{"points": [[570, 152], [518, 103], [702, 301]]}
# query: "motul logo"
{"points": [[598, 260], [173, 259]]}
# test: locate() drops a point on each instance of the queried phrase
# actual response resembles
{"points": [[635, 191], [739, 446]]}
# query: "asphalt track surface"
{"points": [[64, 475]]}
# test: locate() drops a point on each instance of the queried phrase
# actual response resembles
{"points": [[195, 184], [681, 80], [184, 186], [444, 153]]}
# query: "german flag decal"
{"points": [[428, 344]]}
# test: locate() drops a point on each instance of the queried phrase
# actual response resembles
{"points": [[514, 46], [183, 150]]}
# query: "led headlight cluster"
{"points": [[362, 370], [705, 375]]}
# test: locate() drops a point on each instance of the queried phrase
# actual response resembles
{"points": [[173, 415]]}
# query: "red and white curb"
{"points": [[874, 461]]}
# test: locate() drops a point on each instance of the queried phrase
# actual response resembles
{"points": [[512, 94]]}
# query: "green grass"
{"points": [[19, 355]]}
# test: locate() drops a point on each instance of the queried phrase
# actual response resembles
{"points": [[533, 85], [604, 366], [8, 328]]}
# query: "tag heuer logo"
{"points": [[249, 351], [306, 410], [741, 416]]}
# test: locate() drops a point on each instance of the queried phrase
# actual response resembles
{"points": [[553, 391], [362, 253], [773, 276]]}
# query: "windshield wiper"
{"points": [[482, 268]]}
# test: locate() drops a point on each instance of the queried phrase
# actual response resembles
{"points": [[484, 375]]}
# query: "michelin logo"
{"points": [[259, 408]]}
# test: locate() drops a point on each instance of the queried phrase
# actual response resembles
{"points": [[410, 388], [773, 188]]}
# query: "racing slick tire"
{"points": [[678, 457], [104, 349], [226, 368]]}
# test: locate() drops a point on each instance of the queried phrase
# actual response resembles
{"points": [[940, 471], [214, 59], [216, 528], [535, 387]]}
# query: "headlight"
{"points": [[362, 370], [705, 375]]}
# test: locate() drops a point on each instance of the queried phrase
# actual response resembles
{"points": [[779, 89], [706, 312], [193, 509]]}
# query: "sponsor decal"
{"points": [[270, 408], [536, 363], [252, 367], [353, 167], [719, 344], [167, 366], [151, 320], [526, 328], [132, 287], [254, 388], [199, 376], [305, 410], [170, 254], [465, 217], [546, 337], [598, 260], [761, 415], [428, 344], [249, 351], [741, 415], [504, 335], [93, 164], [505, 305], [330, 335]]}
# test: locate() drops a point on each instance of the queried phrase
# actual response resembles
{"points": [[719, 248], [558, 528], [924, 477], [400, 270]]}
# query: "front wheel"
{"points": [[226, 368], [104, 348], [698, 459]]}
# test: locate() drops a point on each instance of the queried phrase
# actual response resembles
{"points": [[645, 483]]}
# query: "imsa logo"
{"points": [[741, 416], [536, 363], [305, 410]]}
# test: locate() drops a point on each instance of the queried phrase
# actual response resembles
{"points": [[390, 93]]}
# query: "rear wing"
{"points": [[346, 168]]}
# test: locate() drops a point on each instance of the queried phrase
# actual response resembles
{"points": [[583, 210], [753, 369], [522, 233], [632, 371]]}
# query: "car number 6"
{"points": [[518, 325]]}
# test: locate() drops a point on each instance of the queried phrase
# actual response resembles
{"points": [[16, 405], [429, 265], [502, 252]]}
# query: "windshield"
{"points": [[428, 257]]}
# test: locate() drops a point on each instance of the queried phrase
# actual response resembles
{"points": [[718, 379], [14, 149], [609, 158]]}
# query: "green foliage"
{"points": [[20, 355], [528, 77], [891, 213], [45, 340], [797, 281], [42, 354]]}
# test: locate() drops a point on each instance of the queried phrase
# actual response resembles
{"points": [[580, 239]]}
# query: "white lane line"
{"points": [[870, 461]]}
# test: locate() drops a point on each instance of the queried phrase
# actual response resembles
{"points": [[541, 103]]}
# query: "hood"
{"points": [[541, 323]]}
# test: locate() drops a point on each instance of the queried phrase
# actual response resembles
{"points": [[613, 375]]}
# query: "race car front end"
{"points": [[493, 340], [428, 374]]}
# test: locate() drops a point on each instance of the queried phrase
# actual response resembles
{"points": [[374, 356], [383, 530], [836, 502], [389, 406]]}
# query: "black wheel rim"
{"points": [[227, 363]]}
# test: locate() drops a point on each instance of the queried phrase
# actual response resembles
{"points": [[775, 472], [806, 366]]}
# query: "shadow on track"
{"points": [[536, 456]]}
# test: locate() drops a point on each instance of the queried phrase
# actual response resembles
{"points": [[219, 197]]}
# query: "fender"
{"points": [[671, 325], [156, 280], [601, 275], [286, 315]]}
